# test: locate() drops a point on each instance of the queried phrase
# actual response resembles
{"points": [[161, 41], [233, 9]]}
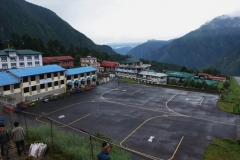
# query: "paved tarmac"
{"points": [[160, 122]]}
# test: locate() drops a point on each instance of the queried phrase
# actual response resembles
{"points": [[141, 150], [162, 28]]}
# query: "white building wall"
{"points": [[23, 62]]}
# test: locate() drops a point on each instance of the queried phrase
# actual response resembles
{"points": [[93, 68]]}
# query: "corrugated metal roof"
{"points": [[155, 74], [109, 64], [7, 79], [28, 51], [56, 58], [23, 72], [179, 74], [25, 51], [79, 70]]}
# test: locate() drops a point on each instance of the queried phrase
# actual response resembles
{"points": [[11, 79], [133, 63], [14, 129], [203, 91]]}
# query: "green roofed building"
{"points": [[179, 75], [130, 67], [11, 58], [209, 82]]}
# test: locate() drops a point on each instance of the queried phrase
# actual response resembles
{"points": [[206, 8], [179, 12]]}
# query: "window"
{"points": [[6, 88], [33, 78], [29, 63], [3, 59], [56, 83], [82, 75], [36, 57], [12, 59], [62, 81], [16, 86], [61, 73], [93, 72], [55, 74], [42, 86], [75, 76], [26, 90], [25, 79], [34, 88], [13, 65], [50, 84], [4, 65], [68, 77], [49, 75], [37, 63], [21, 64], [41, 76], [21, 58], [29, 57], [88, 73]]}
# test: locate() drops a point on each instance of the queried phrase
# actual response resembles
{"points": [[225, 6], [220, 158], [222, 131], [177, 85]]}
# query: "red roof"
{"points": [[108, 64], [212, 77], [56, 59]]}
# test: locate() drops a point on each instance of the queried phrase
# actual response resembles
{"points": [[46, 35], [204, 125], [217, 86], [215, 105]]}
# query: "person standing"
{"points": [[18, 138], [4, 140], [104, 154]]}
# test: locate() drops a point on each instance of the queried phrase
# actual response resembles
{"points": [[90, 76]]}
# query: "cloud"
{"points": [[109, 21]]}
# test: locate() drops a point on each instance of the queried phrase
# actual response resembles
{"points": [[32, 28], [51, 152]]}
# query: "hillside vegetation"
{"points": [[23, 17]]}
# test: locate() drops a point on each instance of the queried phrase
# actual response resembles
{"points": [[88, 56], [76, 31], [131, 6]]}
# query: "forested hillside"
{"points": [[201, 47], [229, 63], [23, 17]]}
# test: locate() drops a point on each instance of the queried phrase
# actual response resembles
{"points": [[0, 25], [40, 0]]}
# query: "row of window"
{"points": [[7, 87], [43, 86], [42, 76], [21, 64], [81, 75], [21, 58], [33, 88], [64, 62]]}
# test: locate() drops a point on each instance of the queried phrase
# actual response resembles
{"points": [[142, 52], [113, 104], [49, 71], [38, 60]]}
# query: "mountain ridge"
{"points": [[39, 22]]}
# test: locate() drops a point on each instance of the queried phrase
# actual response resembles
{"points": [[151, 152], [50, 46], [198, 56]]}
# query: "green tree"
{"points": [[191, 83], [226, 84]]}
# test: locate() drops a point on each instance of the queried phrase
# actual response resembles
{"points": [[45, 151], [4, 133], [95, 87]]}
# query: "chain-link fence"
{"points": [[27, 120]]}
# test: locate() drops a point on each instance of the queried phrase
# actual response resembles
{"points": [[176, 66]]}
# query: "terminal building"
{"points": [[37, 82], [80, 77]]}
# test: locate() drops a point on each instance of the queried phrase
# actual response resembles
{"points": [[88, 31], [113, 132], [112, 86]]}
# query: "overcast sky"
{"points": [[118, 21]]}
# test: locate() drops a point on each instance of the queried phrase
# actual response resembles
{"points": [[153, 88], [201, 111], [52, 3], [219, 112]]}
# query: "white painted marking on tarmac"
{"points": [[151, 138], [124, 90], [62, 116], [187, 99]]}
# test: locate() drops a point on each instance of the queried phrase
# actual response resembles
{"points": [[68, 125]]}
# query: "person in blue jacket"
{"points": [[104, 154]]}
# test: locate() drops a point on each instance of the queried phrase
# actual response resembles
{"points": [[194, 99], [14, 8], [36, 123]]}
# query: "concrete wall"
{"points": [[41, 95]]}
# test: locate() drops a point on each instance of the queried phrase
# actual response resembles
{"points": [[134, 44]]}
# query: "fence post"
{"points": [[91, 147], [51, 129], [26, 125]]}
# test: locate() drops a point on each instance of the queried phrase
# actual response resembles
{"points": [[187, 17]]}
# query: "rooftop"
{"points": [[23, 72], [155, 74], [22, 52], [56, 59], [109, 64], [80, 70], [7, 79], [179, 74]]}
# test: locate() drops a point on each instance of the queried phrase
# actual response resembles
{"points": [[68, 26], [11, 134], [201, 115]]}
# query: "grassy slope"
{"points": [[226, 149], [231, 98]]}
